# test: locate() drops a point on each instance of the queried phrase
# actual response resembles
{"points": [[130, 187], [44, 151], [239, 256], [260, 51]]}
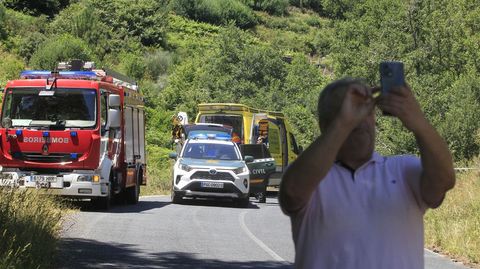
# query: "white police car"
{"points": [[210, 168]]}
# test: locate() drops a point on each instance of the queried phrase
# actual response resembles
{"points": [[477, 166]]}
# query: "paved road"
{"points": [[200, 234]]}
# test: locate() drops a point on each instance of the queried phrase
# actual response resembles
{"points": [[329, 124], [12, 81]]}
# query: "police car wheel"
{"points": [[262, 197], [243, 202], [176, 198]]}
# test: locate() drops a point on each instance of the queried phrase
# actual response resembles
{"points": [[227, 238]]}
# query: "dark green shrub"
{"points": [[3, 31], [47, 7], [311, 4], [274, 7]]}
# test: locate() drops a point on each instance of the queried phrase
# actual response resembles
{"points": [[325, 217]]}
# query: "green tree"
{"points": [[60, 48], [82, 20]]}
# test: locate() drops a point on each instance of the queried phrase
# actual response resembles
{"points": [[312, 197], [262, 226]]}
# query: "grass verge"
{"points": [[159, 171], [454, 228], [29, 227]]}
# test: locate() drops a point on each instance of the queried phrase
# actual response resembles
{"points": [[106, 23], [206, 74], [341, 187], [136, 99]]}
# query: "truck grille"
{"points": [[208, 176], [50, 158]]}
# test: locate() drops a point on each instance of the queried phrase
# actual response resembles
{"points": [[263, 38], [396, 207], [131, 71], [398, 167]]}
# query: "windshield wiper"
{"points": [[59, 125]]}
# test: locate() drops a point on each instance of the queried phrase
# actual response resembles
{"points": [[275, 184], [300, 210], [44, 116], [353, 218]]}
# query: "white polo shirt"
{"points": [[370, 218]]}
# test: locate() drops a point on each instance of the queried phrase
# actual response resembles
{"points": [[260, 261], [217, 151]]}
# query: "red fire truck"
{"points": [[77, 132]]}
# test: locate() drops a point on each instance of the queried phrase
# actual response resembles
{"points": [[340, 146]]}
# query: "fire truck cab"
{"points": [[78, 132]]}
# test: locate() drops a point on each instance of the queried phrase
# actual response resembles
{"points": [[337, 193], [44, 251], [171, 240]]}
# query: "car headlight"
{"points": [[240, 170], [84, 178], [185, 167]]}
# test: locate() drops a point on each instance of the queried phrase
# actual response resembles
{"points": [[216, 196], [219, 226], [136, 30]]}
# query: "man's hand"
{"points": [[401, 103], [357, 105]]}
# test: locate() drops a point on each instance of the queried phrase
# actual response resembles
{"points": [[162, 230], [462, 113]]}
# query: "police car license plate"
{"points": [[217, 185]]}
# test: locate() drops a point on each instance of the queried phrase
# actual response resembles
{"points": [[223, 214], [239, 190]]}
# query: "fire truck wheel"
{"points": [[133, 193], [103, 203]]}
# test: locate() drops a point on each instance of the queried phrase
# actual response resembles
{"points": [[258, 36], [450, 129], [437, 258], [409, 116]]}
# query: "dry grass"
{"points": [[159, 172], [29, 227], [454, 228]]}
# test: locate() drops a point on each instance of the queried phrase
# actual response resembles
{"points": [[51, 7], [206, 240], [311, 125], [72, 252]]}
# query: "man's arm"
{"points": [[438, 175], [306, 172]]}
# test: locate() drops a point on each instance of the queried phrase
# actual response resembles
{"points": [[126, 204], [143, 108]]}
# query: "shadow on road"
{"points": [[215, 202], [142, 205], [81, 253]]}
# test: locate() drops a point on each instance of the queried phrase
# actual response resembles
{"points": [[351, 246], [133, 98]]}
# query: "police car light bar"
{"points": [[45, 74]]}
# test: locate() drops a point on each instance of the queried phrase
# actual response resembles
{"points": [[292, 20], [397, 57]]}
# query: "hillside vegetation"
{"points": [[273, 54]]}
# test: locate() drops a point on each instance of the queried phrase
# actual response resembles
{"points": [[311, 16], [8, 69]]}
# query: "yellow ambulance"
{"points": [[252, 126]]}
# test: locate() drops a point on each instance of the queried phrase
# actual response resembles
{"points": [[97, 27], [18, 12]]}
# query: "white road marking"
{"points": [[259, 242]]}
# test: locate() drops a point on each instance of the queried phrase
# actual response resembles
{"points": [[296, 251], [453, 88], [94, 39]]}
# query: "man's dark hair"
{"points": [[331, 98]]}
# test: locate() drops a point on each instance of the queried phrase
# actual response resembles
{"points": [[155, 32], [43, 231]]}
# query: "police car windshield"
{"points": [[65, 108], [211, 151]]}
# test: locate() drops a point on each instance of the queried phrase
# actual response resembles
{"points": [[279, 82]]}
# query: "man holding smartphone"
{"points": [[351, 207]]}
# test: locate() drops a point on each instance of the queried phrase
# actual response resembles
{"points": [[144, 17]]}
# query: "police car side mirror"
{"points": [[114, 118], [172, 155], [248, 159]]}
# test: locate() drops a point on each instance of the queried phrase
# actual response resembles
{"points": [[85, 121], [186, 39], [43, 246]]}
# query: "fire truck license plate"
{"points": [[217, 185], [50, 179]]}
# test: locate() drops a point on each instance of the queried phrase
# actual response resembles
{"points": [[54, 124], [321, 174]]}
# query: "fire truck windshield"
{"points": [[65, 108]]}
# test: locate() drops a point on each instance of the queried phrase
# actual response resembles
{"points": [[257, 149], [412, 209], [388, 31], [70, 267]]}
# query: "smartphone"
{"points": [[391, 75]]}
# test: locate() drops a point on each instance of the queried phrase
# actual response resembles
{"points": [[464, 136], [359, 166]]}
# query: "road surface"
{"points": [[200, 234]]}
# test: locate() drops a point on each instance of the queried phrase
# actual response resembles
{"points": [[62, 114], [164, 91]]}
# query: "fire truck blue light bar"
{"points": [[43, 74]]}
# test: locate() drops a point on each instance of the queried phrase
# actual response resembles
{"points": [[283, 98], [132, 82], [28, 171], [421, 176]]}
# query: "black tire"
{"points": [[133, 193], [177, 198], [262, 197], [243, 202]]}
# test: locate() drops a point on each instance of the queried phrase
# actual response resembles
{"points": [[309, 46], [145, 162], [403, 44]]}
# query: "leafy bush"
{"points": [[158, 63], [60, 48], [220, 12], [10, 67], [146, 20], [132, 65]]}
